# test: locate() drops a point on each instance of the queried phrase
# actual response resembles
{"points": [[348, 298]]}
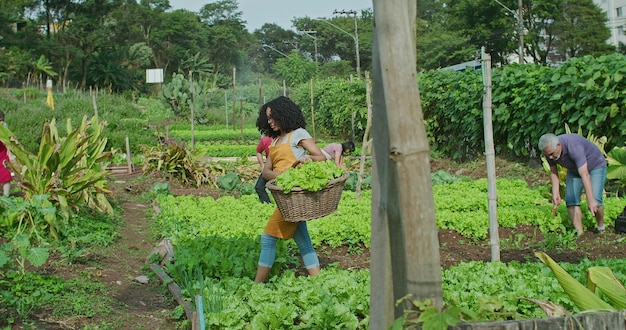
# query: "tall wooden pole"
{"points": [[312, 110], [243, 117], [366, 135], [405, 244], [234, 95], [191, 107], [492, 203], [226, 106], [260, 93], [520, 30]]}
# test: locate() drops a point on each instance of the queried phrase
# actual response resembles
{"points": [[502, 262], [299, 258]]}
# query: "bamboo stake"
{"points": [[191, 106], [95, 105], [366, 140], [129, 158], [234, 96], [312, 109], [492, 204]]}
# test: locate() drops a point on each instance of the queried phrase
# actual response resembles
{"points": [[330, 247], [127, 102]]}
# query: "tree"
{"points": [[335, 37], [295, 69], [539, 19], [438, 48], [86, 35], [486, 24], [272, 40], [582, 30], [437, 45], [227, 35], [19, 40]]}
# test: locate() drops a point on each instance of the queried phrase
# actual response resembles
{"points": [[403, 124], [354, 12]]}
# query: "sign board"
{"points": [[154, 76]]}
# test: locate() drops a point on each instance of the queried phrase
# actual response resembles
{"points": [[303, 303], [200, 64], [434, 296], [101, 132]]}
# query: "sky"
{"points": [[280, 12]]}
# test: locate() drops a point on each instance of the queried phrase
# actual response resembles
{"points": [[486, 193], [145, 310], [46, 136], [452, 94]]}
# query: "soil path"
{"points": [[137, 305]]}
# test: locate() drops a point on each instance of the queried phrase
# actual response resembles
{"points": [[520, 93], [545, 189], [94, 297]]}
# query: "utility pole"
{"points": [[356, 38], [520, 27], [310, 33], [274, 49]]}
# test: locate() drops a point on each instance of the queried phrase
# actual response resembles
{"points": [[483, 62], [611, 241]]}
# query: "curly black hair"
{"points": [[285, 113]]}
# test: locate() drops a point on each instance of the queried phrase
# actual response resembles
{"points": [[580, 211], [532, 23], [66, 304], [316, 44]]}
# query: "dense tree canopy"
{"points": [[110, 43]]}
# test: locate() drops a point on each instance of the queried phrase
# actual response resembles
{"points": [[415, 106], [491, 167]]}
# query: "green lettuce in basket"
{"points": [[311, 176]]}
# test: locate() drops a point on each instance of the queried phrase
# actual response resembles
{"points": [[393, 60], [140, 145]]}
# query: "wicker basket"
{"points": [[302, 205]]}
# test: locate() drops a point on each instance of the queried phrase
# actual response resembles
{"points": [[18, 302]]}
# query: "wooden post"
{"points": [[312, 109], [492, 204], [243, 121], [191, 107], [200, 312], [95, 105], [129, 157], [405, 244], [366, 139], [260, 94], [352, 114], [226, 106], [234, 96], [174, 289]]}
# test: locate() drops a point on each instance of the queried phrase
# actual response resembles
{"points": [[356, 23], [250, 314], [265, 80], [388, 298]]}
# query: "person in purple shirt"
{"points": [[336, 151], [586, 168]]}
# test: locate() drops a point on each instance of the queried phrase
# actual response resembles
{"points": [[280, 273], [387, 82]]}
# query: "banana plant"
{"points": [[66, 169], [616, 165], [43, 65], [585, 298]]}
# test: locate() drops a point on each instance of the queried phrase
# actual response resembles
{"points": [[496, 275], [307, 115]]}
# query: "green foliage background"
{"points": [[528, 101], [124, 118]]}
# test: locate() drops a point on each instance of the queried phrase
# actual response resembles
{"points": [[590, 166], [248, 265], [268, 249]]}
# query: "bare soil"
{"points": [[148, 306]]}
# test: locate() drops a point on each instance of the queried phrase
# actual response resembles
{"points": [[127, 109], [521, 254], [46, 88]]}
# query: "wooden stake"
{"points": [[366, 139], [405, 244], [312, 109], [492, 204], [129, 157]]}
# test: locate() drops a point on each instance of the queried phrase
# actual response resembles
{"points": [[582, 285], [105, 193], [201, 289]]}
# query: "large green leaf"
{"points": [[616, 160], [580, 295], [67, 170], [37, 256], [604, 278]]}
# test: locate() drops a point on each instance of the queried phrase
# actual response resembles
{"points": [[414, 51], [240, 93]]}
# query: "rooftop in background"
{"points": [[475, 65]]}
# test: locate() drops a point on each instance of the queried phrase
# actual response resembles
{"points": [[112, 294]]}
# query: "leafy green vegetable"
{"points": [[311, 176]]}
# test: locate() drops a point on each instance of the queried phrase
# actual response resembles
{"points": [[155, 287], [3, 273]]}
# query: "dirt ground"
{"points": [[148, 306]]}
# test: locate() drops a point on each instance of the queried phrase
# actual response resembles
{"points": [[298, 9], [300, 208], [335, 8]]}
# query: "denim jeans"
{"points": [[574, 186], [302, 238], [260, 190]]}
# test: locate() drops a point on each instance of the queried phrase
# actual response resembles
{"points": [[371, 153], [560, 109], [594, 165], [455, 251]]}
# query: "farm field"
{"points": [[150, 306]]}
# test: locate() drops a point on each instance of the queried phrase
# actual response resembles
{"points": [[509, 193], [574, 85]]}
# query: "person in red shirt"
{"points": [[262, 151], [5, 174]]}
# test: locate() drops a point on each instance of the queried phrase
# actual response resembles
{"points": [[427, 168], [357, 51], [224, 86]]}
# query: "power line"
{"points": [[356, 37]]}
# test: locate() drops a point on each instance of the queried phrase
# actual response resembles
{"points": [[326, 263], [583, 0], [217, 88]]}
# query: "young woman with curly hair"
{"points": [[283, 120]]}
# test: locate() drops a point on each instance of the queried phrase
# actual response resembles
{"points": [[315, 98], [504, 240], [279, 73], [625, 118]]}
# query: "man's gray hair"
{"points": [[547, 140]]}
